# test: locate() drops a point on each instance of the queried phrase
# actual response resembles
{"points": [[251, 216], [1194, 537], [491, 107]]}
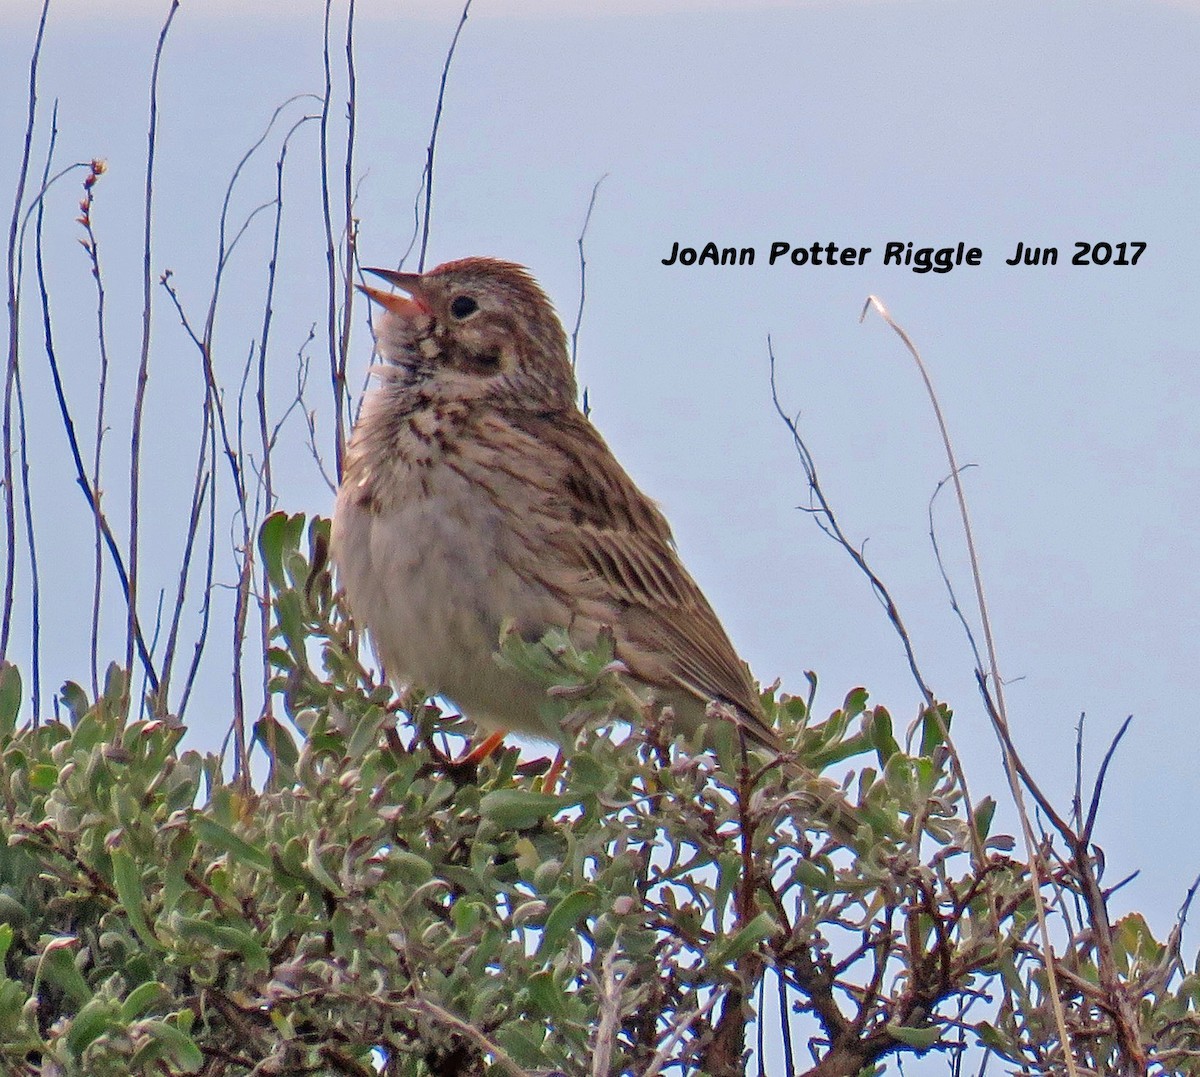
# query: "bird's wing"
{"points": [[601, 528]]}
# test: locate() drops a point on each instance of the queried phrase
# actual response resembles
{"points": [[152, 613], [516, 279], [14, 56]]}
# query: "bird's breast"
{"points": [[429, 549]]}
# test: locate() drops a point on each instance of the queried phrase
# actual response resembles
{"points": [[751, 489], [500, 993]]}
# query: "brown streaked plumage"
{"points": [[476, 492]]}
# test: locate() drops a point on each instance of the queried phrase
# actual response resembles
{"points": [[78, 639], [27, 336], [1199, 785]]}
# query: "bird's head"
{"points": [[477, 328]]}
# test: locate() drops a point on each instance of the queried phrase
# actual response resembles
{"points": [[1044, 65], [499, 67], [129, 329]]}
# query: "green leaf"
{"points": [[317, 869], [279, 531], [128, 881], [546, 994], [75, 700], [518, 809], [565, 917], [290, 616], [277, 742], [180, 1047], [882, 739], [587, 776], [812, 876], [116, 685], [91, 1022], [412, 869], [919, 1038], [213, 833], [932, 723], [523, 1041], [365, 737], [982, 820], [43, 777], [58, 966], [991, 1037], [729, 874], [1133, 942], [856, 701], [745, 940], [10, 699], [226, 937], [141, 998]]}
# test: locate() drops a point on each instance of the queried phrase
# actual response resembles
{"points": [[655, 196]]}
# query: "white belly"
{"points": [[428, 576]]}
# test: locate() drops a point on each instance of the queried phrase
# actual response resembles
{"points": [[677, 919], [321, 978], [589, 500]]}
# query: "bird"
{"points": [[476, 495]]}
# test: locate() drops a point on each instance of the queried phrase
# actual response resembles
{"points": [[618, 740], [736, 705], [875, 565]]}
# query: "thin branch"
{"points": [[265, 495], [92, 245], [35, 580], [587, 219], [998, 713], [35, 587], [941, 565], [789, 1050], [203, 485], [679, 1029], [433, 136], [210, 558], [349, 225], [1085, 835], [10, 518], [232, 446], [828, 522], [89, 492], [139, 398], [469, 1032], [608, 992], [337, 374], [203, 478], [1077, 796]]}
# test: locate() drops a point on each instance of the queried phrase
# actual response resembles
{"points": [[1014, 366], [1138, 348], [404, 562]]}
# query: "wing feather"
{"points": [[617, 549]]}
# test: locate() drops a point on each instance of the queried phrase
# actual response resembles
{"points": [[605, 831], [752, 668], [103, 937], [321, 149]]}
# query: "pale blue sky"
{"points": [[1075, 389]]}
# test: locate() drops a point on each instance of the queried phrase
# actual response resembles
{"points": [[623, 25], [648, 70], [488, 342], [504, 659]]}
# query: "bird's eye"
{"points": [[463, 305]]}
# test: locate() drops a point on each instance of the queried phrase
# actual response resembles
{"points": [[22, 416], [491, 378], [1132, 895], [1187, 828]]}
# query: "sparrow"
{"points": [[476, 495]]}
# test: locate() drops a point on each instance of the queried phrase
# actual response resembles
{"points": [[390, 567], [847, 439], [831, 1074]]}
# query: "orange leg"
{"points": [[550, 778], [485, 748]]}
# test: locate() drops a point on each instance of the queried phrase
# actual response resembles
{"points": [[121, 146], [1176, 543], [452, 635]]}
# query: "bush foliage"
{"points": [[368, 903]]}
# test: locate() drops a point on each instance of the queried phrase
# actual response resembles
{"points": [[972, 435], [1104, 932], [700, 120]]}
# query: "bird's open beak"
{"points": [[398, 304]]}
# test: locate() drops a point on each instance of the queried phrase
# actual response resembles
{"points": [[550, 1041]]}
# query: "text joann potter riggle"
{"points": [[907, 254]]}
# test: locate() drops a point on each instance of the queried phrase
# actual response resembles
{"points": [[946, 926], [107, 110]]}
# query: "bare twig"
{"points": [[92, 246], [89, 492], [1085, 835], [789, 1051], [433, 135], [608, 992], [828, 522], [265, 496], [203, 478], [210, 556], [941, 564], [469, 1032], [35, 581], [349, 225], [35, 587], [679, 1029], [587, 219], [337, 298], [143, 374], [998, 713], [10, 518]]}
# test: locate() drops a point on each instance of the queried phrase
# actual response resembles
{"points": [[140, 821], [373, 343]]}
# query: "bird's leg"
{"points": [[484, 748], [463, 771], [550, 778]]}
